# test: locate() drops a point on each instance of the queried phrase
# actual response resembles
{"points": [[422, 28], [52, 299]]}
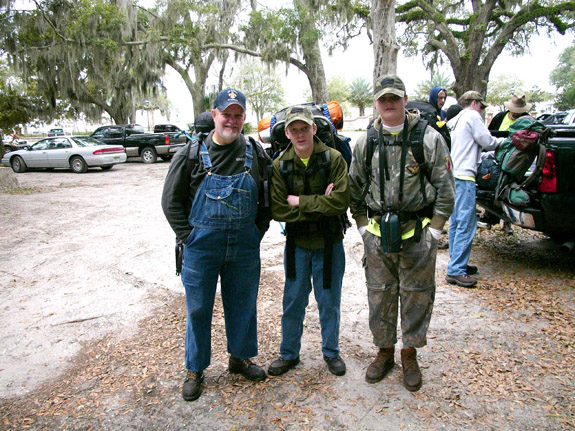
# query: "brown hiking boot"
{"points": [[380, 366], [411, 372]]}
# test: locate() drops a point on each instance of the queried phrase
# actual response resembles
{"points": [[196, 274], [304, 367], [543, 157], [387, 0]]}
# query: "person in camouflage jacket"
{"points": [[420, 209]]}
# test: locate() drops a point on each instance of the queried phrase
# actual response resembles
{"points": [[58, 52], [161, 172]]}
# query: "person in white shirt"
{"points": [[469, 136]]}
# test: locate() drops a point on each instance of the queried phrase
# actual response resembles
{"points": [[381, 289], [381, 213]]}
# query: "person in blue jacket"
{"points": [[437, 97]]}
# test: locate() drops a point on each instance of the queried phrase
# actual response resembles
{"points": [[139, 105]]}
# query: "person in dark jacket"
{"points": [[437, 97], [310, 190], [517, 107], [215, 206]]}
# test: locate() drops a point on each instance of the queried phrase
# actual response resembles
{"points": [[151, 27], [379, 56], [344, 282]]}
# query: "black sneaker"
{"points": [[246, 368], [461, 280], [281, 366], [192, 388], [335, 365]]}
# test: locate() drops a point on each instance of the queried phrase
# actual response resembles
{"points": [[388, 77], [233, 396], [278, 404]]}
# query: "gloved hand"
{"points": [[435, 233]]}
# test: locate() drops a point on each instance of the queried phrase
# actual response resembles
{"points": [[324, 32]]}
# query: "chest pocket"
{"points": [[227, 203]]}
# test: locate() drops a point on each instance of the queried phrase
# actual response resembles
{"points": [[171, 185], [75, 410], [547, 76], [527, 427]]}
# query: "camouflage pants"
{"points": [[407, 277]]}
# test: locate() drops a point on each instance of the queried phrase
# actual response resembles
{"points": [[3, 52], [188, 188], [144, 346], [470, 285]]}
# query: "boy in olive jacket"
{"points": [[310, 191]]}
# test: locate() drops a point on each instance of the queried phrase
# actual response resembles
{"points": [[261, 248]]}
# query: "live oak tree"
{"points": [[293, 35], [191, 33], [385, 45], [89, 55], [563, 78], [470, 35]]}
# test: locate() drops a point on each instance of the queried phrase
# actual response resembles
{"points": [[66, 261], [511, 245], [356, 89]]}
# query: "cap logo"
{"points": [[232, 94], [296, 110], [387, 81]]}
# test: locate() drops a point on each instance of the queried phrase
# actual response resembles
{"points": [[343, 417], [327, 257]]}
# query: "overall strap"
{"points": [[249, 154], [205, 157]]}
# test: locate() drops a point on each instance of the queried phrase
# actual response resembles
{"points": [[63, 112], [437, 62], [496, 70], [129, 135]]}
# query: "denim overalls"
{"points": [[225, 242]]}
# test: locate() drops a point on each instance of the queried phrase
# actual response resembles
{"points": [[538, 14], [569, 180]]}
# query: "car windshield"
{"points": [[57, 130], [85, 141], [42, 145]]}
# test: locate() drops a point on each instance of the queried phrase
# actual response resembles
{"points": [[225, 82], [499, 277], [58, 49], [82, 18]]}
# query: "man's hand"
{"points": [[293, 200]]}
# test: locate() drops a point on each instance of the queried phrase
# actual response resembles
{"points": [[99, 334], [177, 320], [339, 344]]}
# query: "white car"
{"points": [[76, 152]]}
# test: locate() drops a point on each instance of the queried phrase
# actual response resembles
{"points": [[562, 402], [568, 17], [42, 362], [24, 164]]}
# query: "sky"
{"points": [[533, 69]]}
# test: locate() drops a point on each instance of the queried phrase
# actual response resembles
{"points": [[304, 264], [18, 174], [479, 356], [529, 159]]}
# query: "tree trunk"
{"points": [[315, 72], [385, 46]]}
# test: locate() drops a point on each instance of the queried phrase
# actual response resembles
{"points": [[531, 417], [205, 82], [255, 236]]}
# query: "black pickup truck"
{"points": [[147, 146], [551, 206]]}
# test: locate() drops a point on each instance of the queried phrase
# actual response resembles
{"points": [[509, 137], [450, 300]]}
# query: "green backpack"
{"points": [[525, 143]]}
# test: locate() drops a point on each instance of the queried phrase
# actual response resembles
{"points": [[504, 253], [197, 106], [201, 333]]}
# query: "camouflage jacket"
{"points": [[440, 190]]}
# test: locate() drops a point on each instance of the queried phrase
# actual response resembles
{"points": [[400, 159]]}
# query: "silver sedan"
{"points": [[76, 152]]}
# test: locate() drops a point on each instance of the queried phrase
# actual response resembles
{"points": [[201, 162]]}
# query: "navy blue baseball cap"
{"points": [[228, 97]]}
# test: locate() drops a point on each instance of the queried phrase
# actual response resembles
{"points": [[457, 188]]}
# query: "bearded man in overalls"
{"points": [[216, 206]]}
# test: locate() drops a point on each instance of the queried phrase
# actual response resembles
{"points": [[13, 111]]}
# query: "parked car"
{"points": [[73, 152], [147, 146], [569, 119], [14, 143], [552, 118], [56, 132]]}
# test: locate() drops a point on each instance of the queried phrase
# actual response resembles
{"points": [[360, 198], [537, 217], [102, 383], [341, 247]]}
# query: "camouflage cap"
{"points": [[299, 113], [473, 95], [388, 84]]}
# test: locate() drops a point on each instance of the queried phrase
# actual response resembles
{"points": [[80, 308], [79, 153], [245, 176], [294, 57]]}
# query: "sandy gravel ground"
{"points": [[93, 320]]}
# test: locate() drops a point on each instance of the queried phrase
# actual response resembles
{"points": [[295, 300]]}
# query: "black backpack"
{"points": [[428, 112], [326, 131]]}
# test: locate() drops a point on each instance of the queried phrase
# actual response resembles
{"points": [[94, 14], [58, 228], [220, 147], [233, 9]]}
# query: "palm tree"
{"points": [[361, 94]]}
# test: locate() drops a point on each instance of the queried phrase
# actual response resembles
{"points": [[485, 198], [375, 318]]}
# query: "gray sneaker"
{"points": [[463, 280]]}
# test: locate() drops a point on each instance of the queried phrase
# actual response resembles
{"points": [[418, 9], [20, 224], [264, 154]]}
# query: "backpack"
{"points": [[488, 173], [327, 116], [525, 143], [428, 112]]}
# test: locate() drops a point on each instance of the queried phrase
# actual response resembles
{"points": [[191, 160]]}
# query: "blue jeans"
{"points": [[462, 227], [234, 256], [309, 264]]}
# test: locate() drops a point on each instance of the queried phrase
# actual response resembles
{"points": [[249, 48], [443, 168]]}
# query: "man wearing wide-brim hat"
{"points": [[516, 107]]}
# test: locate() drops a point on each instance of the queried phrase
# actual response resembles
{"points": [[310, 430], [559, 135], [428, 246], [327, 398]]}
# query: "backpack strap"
{"points": [[323, 166], [416, 143], [193, 152]]}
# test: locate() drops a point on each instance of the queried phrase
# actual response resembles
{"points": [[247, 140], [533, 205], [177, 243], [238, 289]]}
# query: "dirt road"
{"points": [[93, 321]]}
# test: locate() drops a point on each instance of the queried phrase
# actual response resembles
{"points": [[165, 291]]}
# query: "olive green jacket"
{"points": [[307, 183]]}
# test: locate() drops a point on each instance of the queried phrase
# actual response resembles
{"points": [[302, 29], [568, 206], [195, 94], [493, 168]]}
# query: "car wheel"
{"points": [[18, 164], [7, 149], [78, 165], [166, 158], [149, 155], [107, 167]]}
